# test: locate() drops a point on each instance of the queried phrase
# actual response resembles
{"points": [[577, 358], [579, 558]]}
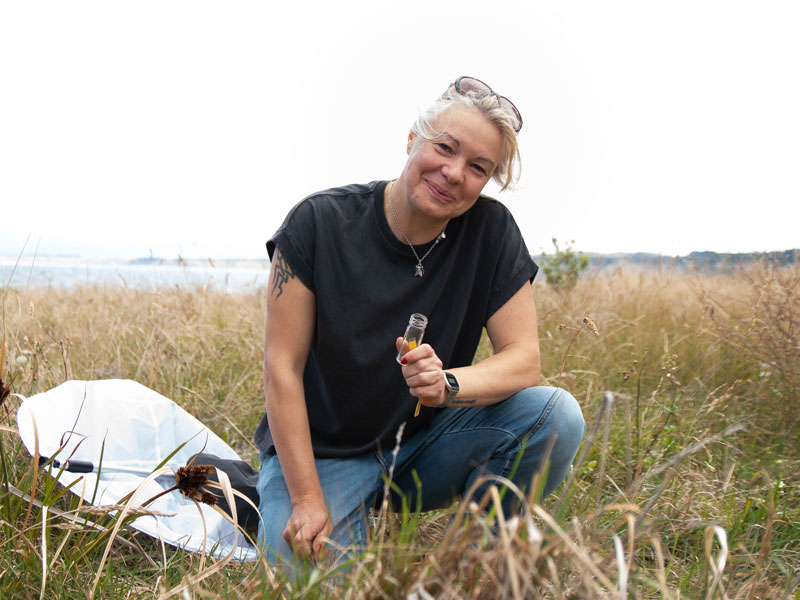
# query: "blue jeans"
{"points": [[460, 446]]}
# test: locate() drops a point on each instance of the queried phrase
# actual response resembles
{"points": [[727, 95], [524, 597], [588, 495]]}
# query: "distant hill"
{"points": [[703, 261]]}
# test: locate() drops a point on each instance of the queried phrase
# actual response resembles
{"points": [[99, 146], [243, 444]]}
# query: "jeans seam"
{"points": [[382, 462], [551, 403]]}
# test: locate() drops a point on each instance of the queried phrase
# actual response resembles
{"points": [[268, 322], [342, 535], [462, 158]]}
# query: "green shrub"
{"points": [[563, 268]]}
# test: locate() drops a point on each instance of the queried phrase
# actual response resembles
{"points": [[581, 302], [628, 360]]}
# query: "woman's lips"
{"points": [[439, 192]]}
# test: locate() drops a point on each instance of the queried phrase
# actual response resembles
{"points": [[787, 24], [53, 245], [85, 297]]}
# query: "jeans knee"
{"points": [[569, 425]]}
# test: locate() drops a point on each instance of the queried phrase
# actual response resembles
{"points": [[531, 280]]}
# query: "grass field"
{"points": [[687, 484]]}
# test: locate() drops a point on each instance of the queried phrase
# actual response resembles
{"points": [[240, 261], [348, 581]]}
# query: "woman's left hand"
{"points": [[423, 373]]}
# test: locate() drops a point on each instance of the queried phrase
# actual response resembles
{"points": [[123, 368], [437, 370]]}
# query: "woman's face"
{"points": [[445, 176]]}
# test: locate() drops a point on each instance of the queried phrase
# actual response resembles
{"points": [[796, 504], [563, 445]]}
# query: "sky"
{"points": [[190, 128]]}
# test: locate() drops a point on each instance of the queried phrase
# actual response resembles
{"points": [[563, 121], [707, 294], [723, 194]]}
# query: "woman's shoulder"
{"points": [[488, 212], [352, 192], [491, 205], [326, 203]]}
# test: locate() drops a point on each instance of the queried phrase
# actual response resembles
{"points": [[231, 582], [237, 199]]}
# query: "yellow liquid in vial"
{"points": [[411, 345]]}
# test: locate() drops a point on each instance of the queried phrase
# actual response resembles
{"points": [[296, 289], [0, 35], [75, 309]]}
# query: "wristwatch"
{"points": [[451, 383]]}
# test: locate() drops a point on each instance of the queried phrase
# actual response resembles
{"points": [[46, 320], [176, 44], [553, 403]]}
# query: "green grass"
{"points": [[688, 385]]}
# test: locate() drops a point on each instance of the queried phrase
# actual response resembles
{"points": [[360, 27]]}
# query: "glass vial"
{"points": [[413, 336]]}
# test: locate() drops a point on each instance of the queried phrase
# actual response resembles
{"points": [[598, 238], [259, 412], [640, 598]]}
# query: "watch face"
{"points": [[452, 382]]}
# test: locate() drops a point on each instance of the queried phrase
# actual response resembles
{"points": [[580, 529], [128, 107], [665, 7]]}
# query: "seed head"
{"points": [[191, 477], [208, 498], [189, 480], [591, 325]]}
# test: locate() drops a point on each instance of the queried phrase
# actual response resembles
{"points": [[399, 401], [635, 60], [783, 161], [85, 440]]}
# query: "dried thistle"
{"points": [[188, 481], [190, 478], [209, 498]]}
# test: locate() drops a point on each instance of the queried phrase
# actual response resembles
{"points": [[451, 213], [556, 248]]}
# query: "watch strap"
{"points": [[451, 383]]}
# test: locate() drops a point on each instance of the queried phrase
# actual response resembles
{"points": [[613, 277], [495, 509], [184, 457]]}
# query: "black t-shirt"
{"points": [[340, 245]]}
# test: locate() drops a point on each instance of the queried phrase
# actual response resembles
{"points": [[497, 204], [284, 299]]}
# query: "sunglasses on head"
{"points": [[469, 86]]}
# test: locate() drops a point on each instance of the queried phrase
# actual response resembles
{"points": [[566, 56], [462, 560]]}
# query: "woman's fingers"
{"points": [[422, 370], [307, 527], [423, 358]]}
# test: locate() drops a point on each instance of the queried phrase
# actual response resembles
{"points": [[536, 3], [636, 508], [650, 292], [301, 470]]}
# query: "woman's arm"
{"points": [[291, 309], [514, 366]]}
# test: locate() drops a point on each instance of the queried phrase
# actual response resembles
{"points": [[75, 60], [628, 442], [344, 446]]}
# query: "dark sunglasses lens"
{"points": [[470, 85], [516, 118]]}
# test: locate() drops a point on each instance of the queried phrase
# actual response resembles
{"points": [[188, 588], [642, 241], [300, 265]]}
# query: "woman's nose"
{"points": [[453, 171]]}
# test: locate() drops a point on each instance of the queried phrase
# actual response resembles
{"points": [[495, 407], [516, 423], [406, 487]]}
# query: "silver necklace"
{"points": [[419, 270]]}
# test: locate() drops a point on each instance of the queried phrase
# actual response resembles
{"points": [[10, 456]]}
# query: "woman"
{"points": [[349, 265]]}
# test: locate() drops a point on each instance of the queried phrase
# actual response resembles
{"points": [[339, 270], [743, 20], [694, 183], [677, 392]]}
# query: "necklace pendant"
{"points": [[420, 271]]}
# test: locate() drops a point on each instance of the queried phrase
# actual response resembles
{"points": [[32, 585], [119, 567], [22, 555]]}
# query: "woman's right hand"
{"points": [[422, 370], [308, 525]]}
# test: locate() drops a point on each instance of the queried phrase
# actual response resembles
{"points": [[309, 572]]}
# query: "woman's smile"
{"points": [[438, 192]]}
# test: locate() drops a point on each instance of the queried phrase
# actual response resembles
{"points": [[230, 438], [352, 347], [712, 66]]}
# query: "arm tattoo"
{"points": [[460, 402], [282, 273]]}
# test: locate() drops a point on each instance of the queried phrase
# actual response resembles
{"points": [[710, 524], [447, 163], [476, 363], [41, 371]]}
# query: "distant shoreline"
{"points": [[706, 260], [236, 274]]}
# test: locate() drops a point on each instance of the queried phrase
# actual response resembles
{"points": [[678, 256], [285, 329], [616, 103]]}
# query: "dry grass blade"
{"points": [[2, 363], [44, 551], [504, 536], [383, 514], [717, 566], [73, 523], [419, 593], [660, 569], [622, 567], [233, 519], [35, 478]]}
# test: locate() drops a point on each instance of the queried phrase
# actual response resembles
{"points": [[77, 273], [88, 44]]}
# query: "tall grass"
{"points": [[686, 485]]}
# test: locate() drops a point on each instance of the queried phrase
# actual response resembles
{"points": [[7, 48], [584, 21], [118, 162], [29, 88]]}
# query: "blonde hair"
{"points": [[507, 171]]}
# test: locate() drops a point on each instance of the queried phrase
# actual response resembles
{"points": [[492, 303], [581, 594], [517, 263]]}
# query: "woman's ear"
{"points": [[411, 137]]}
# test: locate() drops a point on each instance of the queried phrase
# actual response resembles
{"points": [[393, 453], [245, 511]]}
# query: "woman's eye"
{"points": [[443, 146], [479, 169]]}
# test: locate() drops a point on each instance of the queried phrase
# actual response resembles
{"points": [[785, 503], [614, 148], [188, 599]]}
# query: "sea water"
{"points": [[65, 272]]}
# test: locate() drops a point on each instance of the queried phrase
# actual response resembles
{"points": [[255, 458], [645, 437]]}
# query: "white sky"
{"points": [[192, 127]]}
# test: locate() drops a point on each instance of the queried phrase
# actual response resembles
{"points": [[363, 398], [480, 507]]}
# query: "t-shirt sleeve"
{"points": [[514, 265], [296, 240]]}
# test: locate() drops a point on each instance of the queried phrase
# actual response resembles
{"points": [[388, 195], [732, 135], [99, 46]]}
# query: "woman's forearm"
{"points": [[288, 424], [498, 377]]}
